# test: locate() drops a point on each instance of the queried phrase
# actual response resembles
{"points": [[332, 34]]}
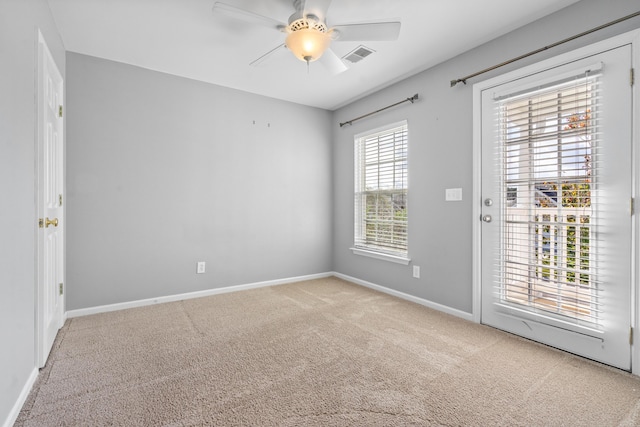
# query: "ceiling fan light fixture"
{"points": [[308, 44]]}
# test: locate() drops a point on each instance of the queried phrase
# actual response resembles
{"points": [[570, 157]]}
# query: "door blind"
{"points": [[549, 140]]}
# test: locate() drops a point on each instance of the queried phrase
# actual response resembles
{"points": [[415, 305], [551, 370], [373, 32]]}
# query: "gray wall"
{"points": [[19, 20], [163, 172], [440, 147]]}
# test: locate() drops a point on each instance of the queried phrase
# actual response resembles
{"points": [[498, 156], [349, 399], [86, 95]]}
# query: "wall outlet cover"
{"points": [[200, 267]]}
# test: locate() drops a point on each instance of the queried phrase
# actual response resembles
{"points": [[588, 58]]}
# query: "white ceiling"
{"points": [[184, 38]]}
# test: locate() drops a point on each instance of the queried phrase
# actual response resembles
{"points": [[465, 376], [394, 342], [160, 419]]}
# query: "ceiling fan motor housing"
{"points": [[306, 23]]}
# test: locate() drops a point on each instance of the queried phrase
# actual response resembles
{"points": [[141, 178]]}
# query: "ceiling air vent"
{"points": [[358, 54]]}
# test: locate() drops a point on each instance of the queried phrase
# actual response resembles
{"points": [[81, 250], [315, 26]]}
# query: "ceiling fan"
{"points": [[307, 34]]}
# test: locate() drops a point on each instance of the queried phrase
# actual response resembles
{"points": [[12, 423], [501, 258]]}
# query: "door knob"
{"points": [[486, 218], [48, 222]]}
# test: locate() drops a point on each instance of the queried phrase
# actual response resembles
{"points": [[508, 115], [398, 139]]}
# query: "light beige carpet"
{"points": [[317, 353]]}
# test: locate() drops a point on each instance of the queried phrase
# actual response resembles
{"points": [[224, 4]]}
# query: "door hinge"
{"points": [[59, 199], [60, 111], [632, 76], [631, 335], [631, 206], [41, 223], [61, 287]]}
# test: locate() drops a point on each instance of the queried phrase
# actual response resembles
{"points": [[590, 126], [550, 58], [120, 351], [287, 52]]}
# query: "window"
{"points": [[550, 138], [381, 187]]}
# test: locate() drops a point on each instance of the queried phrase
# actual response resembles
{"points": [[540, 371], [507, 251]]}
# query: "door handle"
{"points": [[48, 222], [486, 218]]}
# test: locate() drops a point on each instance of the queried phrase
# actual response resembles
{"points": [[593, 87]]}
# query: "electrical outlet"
{"points": [[416, 271], [200, 268]]}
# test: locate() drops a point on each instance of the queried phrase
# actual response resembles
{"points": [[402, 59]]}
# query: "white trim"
{"points": [[17, 406], [430, 304], [635, 223], [190, 295], [476, 207], [565, 58], [381, 129], [198, 294], [382, 256]]}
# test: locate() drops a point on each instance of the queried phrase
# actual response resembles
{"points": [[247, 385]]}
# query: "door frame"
{"points": [[630, 38], [40, 351]]}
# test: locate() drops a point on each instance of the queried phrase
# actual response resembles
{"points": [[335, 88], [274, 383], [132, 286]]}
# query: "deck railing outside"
{"points": [[549, 261]]}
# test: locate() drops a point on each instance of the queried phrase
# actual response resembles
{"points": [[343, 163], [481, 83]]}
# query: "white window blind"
{"points": [[381, 187], [550, 163]]}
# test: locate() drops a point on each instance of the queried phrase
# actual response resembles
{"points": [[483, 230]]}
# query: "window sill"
{"points": [[382, 256]]}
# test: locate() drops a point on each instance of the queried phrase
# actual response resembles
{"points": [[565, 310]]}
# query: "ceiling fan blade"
{"points": [[332, 62], [268, 56], [247, 16], [372, 31], [315, 7]]}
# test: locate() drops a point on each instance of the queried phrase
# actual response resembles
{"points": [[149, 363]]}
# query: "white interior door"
{"points": [[50, 263], [556, 236]]}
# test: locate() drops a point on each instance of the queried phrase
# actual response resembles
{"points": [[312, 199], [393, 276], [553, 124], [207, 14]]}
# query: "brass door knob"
{"points": [[48, 222]]}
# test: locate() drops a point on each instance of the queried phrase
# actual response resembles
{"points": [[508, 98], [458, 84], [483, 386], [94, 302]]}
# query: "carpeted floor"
{"points": [[318, 353]]}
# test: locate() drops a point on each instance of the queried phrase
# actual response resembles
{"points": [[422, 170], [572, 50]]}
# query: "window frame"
{"points": [[378, 249]]}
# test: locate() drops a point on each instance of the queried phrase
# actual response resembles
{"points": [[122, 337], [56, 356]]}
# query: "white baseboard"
{"points": [[421, 301], [179, 297], [15, 411], [189, 295]]}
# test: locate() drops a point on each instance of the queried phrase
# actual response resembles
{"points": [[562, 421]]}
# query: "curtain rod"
{"points": [[593, 30], [411, 99]]}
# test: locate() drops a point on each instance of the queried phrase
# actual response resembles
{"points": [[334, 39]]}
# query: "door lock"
{"points": [[488, 202]]}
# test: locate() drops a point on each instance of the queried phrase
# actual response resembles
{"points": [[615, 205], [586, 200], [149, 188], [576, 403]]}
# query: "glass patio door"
{"points": [[556, 193]]}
